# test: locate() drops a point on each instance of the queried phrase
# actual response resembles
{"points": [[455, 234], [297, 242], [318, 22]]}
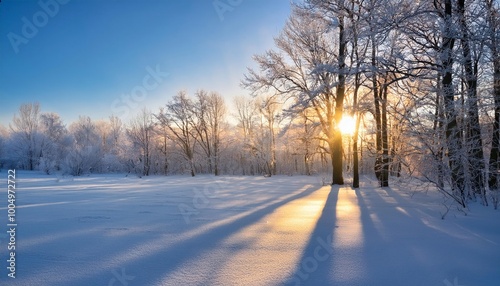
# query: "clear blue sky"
{"points": [[84, 55]]}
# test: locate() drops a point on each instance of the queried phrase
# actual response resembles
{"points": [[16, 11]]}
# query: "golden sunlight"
{"points": [[347, 125]]}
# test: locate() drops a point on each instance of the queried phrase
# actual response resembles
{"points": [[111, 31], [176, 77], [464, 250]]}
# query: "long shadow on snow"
{"points": [[401, 248], [168, 260], [315, 263], [397, 246]]}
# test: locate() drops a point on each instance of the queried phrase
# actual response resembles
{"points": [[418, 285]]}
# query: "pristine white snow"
{"points": [[117, 230]]}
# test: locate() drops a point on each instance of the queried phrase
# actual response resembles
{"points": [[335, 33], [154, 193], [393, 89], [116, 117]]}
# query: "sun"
{"points": [[347, 125]]}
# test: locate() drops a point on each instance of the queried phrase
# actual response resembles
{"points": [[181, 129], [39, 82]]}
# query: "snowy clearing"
{"points": [[117, 230]]}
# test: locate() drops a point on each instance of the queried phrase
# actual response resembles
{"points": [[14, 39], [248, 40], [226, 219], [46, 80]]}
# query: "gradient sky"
{"points": [[84, 57]]}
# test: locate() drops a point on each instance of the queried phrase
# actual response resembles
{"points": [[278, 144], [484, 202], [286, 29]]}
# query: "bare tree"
{"points": [[493, 43], [85, 155], [209, 110], [474, 140], [25, 127], [309, 68], [247, 113], [269, 108], [178, 117], [140, 133], [55, 142]]}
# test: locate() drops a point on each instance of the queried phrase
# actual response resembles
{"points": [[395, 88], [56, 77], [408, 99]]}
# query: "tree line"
{"points": [[188, 135], [421, 79], [425, 74]]}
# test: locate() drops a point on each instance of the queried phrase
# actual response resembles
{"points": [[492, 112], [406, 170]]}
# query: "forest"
{"points": [[416, 84]]}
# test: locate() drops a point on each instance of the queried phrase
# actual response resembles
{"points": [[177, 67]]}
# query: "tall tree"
{"points": [[209, 110], [310, 68], [177, 117], [453, 133], [54, 136], [474, 139], [246, 115], [140, 133], [269, 109], [493, 43], [25, 127], [85, 155]]}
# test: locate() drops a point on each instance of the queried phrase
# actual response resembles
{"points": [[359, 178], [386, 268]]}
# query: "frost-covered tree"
{"points": [[141, 134], [26, 140], [269, 109], [114, 142], [308, 66], [177, 118], [209, 115], [85, 155], [55, 141], [4, 134], [246, 135], [493, 43]]}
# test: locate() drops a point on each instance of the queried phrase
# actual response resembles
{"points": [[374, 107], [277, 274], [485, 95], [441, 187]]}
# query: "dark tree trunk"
{"points": [[495, 148], [379, 162], [494, 164], [337, 177], [336, 154], [384, 180], [438, 128], [475, 148], [453, 137], [355, 156]]}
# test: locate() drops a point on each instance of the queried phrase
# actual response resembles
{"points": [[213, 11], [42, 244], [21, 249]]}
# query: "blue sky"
{"points": [[103, 57]]}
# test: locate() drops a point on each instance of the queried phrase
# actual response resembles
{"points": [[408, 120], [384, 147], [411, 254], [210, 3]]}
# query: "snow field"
{"points": [[117, 230]]}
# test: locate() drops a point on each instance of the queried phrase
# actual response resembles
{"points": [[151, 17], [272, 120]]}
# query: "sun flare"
{"points": [[347, 125]]}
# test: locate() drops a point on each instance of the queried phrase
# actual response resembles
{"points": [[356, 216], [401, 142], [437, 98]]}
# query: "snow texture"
{"points": [[117, 230]]}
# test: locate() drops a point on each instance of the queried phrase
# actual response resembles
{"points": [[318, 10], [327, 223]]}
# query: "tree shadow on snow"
{"points": [[315, 263], [404, 246], [380, 238], [168, 259]]}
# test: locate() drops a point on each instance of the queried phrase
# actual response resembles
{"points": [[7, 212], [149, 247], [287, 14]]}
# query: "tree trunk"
{"points": [[336, 149], [355, 156], [494, 164], [378, 118], [384, 180], [453, 137], [475, 150], [437, 128], [336, 155]]}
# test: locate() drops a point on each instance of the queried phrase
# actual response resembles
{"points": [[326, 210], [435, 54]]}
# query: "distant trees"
{"points": [[210, 111], [25, 138], [140, 133], [246, 116], [4, 135], [55, 141], [421, 78], [85, 155], [177, 117]]}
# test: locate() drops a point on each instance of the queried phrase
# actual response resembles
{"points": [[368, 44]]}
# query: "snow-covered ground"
{"points": [[117, 230]]}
